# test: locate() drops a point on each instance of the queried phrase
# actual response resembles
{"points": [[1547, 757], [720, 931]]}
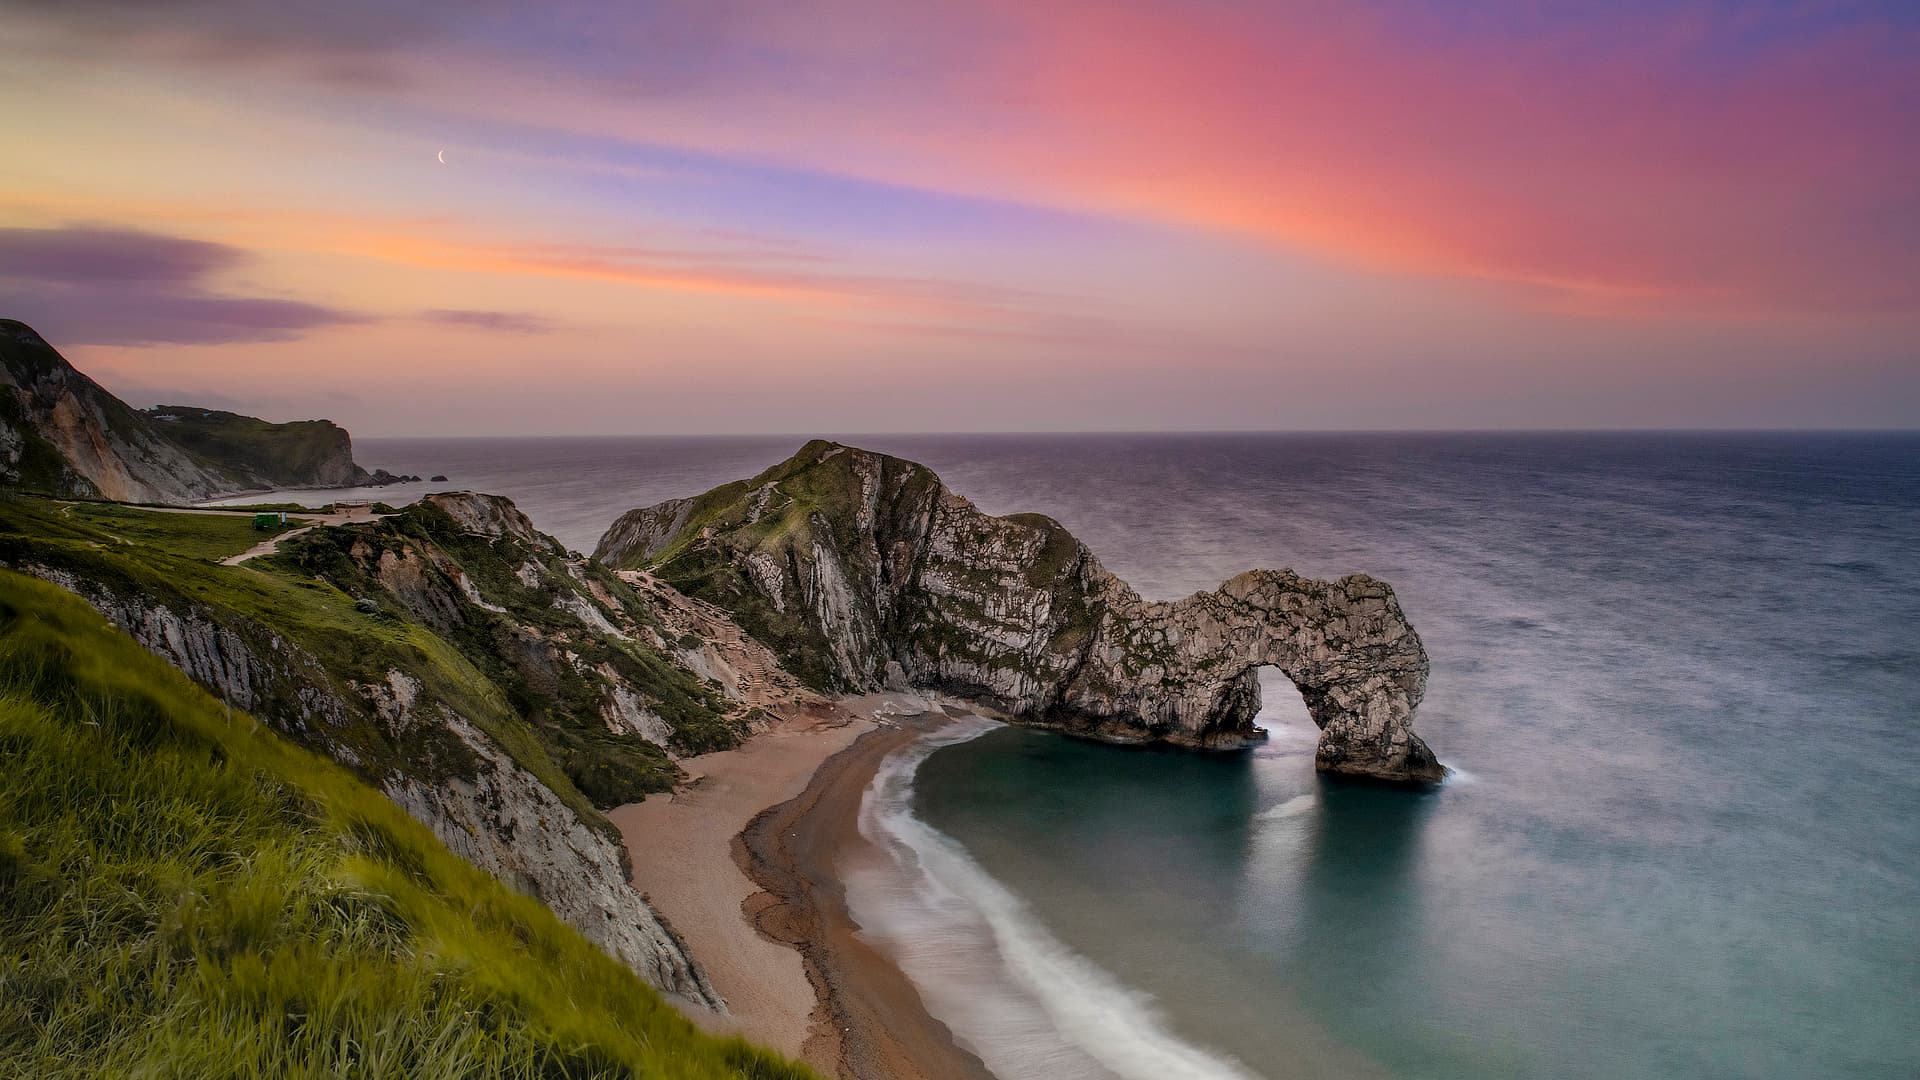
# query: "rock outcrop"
{"points": [[593, 666], [862, 569], [64, 434]]}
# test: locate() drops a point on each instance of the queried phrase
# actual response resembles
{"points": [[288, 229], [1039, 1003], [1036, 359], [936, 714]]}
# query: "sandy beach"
{"points": [[744, 862]]}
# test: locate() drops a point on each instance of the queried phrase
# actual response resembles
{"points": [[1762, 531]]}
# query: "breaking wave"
{"points": [[1022, 1000]]}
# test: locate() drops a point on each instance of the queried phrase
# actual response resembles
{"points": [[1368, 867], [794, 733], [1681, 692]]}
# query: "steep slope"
{"points": [[453, 658], [184, 893], [62, 433], [864, 570]]}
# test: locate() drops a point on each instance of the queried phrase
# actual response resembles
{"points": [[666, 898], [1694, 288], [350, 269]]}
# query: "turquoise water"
{"points": [[1679, 676]]}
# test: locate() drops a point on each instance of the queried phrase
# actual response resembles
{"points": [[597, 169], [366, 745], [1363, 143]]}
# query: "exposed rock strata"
{"points": [[855, 565], [601, 670], [63, 433]]}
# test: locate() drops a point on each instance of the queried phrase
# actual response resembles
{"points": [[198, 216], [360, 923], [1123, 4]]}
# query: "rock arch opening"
{"points": [[1280, 710]]}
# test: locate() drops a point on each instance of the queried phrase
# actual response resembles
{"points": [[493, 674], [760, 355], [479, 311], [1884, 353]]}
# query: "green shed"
{"points": [[269, 521]]}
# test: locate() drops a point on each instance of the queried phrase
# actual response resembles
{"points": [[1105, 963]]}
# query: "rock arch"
{"points": [[1346, 646], [863, 570]]}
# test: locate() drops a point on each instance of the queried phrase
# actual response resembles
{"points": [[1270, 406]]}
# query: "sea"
{"points": [[1676, 679]]}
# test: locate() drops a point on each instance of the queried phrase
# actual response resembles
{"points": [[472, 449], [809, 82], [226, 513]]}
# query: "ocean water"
{"points": [[1677, 677]]}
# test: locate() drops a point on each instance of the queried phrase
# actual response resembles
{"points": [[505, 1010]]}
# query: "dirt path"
{"points": [[264, 547], [359, 512]]}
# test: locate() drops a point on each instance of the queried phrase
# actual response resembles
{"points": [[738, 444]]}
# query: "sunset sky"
{"points": [[856, 216]]}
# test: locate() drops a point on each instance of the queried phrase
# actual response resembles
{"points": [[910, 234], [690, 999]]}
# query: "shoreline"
{"points": [[744, 861], [870, 1022]]}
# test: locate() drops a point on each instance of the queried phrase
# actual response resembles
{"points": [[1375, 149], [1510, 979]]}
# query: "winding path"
{"points": [[361, 512]]}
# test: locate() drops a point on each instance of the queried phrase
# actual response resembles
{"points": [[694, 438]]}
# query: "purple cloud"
{"points": [[90, 254], [96, 285], [505, 322]]}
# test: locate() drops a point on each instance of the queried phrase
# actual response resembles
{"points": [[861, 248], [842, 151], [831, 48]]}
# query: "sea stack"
{"points": [[864, 570]]}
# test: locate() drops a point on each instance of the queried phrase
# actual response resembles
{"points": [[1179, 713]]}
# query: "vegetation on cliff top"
{"points": [[811, 498], [852, 505], [296, 454], [185, 894]]}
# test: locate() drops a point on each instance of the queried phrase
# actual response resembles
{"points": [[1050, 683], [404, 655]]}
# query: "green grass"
{"points": [[185, 894], [211, 537], [547, 718]]}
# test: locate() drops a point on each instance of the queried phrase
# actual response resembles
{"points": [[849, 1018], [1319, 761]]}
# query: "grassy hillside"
{"points": [[257, 603], [198, 536], [185, 894], [479, 662]]}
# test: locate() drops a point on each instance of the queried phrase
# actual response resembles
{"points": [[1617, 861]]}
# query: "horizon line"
{"points": [[1209, 432]]}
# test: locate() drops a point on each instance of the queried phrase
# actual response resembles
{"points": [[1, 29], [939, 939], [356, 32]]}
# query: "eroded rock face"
{"points": [[487, 515], [847, 561], [63, 433], [66, 435]]}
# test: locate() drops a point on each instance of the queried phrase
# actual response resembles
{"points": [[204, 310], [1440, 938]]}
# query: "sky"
{"points": [[492, 217]]}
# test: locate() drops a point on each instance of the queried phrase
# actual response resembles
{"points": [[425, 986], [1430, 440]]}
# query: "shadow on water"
{"points": [[1081, 814], [1362, 931]]}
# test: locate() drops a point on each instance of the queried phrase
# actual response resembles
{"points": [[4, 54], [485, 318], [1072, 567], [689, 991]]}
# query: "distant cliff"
{"points": [[864, 570], [63, 433], [304, 453]]}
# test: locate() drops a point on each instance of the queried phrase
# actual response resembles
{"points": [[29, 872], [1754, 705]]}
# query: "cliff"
{"points": [[454, 658], [63, 433], [864, 570], [304, 453]]}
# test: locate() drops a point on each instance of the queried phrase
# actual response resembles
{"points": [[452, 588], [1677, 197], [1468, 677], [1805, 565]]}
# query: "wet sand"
{"points": [[871, 1023], [743, 861]]}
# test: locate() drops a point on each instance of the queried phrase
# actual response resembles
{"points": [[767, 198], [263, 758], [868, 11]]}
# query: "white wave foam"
{"points": [[989, 967], [1457, 776]]}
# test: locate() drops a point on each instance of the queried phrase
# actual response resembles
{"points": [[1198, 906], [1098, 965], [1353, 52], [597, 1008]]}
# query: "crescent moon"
{"points": [[442, 155]]}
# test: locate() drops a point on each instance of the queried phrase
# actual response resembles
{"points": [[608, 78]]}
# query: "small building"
{"points": [[270, 521]]}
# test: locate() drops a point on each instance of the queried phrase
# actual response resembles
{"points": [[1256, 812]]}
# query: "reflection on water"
{"points": [[1359, 866]]}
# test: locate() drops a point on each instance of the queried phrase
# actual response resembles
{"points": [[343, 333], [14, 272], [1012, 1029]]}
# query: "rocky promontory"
{"points": [[864, 571], [64, 434]]}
